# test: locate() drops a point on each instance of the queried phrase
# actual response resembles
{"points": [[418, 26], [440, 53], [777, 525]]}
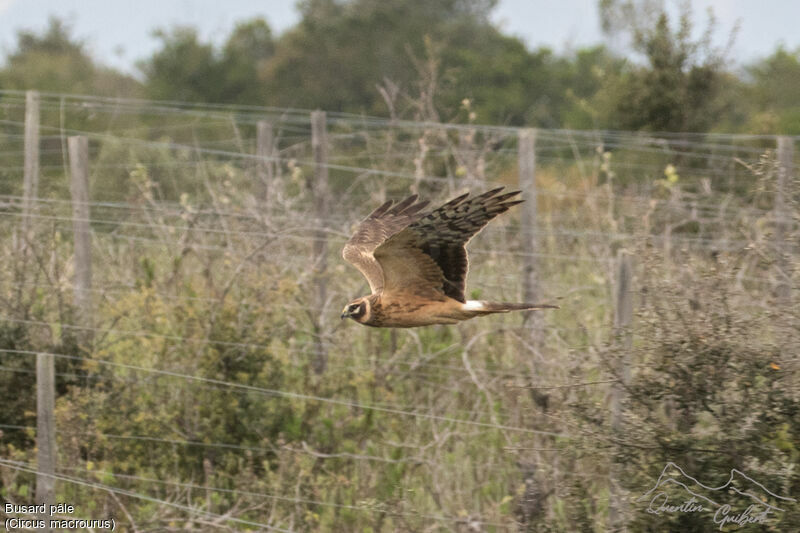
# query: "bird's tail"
{"points": [[479, 307]]}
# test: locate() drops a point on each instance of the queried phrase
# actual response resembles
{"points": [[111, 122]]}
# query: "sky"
{"points": [[119, 32]]}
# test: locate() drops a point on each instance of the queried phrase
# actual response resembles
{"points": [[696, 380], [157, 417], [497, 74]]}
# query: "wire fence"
{"points": [[216, 281]]}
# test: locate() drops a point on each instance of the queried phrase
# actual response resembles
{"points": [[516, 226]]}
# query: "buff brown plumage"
{"points": [[416, 262]]}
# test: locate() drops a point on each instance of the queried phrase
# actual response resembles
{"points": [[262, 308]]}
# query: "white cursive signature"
{"points": [[723, 517], [689, 506], [674, 476]]}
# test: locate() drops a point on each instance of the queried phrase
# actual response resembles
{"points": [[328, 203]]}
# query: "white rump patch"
{"points": [[473, 305]]}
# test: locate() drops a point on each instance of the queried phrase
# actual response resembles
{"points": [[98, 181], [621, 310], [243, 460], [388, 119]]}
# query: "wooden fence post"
{"points": [[527, 184], [79, 189], [319, 188], [265, 150], [45, 372], [30, 184], [623, 315], [45, 433], [782, 246]]}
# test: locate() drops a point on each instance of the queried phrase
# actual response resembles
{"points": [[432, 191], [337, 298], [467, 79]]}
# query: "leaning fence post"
{"points": [[79, 189], [527, 183], [319, 190], [623, 315], [785, 172]]}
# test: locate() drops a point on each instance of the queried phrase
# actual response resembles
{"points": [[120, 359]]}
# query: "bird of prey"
{"points": [[416, 261]]}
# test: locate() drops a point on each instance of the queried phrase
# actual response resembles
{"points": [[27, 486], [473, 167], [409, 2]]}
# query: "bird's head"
{"points": [[358, 310]]}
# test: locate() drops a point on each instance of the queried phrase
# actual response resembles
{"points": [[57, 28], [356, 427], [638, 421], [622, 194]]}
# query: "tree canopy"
{"points": [[56, 61], [351, 55]]}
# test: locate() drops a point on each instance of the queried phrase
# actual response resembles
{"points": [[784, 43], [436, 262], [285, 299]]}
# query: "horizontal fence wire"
{"points": [[301, 396], [184, 193], [24, 467]]}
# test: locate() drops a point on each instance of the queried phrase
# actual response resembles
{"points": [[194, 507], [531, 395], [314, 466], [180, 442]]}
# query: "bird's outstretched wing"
{"points": [[430, 253], [373, 231]]}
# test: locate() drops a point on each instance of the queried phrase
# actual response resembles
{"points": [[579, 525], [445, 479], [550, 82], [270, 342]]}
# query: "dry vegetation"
{"points": [[214, 386]]}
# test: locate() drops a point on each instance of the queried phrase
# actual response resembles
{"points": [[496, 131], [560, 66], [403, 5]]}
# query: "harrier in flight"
{"points": [[416, 262]]}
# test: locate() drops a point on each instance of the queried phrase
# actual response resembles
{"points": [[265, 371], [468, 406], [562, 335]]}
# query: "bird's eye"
{"points": [[353, 307]]}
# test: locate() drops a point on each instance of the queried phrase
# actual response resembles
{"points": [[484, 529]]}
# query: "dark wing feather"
{"points": [[442, 235], [381, 224]]}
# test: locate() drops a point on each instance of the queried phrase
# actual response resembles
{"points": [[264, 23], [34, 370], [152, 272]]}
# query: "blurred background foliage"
{"points": [[205, 312], [340, 52]]}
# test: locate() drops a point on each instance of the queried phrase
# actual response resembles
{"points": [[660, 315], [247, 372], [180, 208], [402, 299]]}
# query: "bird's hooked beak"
{"points": [[345, 314]]}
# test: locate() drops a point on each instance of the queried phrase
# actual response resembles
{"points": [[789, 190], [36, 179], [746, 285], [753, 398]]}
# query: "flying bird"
{"points": [[416, 261]]}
